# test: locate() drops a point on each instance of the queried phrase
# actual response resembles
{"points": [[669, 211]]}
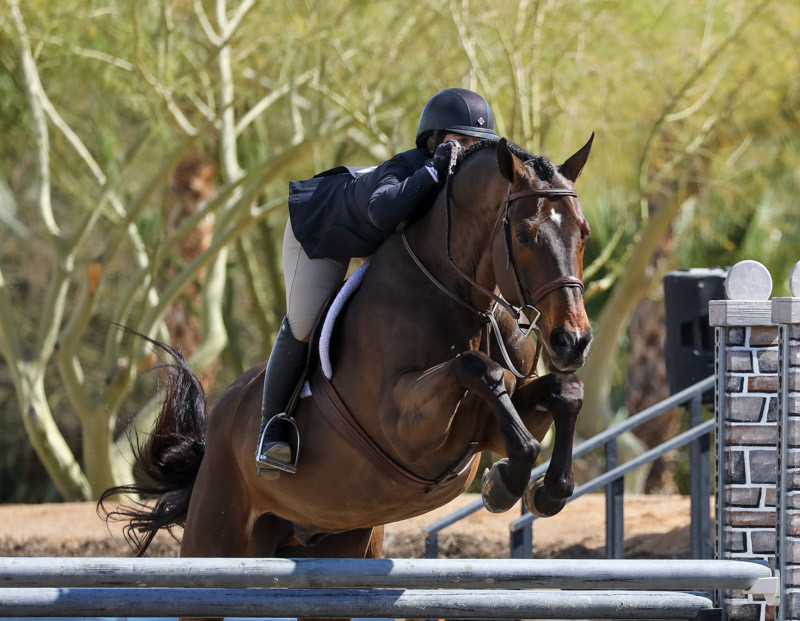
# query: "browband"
{"points": [[540, 192]]}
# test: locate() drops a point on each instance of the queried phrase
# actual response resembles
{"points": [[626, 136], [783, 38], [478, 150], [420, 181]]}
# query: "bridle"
{"points": [[528, 299]]}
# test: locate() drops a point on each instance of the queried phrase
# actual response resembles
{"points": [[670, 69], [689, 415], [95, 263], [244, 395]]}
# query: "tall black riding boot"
{"points": [[286, 364]]}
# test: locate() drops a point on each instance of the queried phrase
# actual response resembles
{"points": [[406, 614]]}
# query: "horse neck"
{"points": [[474, 208]]}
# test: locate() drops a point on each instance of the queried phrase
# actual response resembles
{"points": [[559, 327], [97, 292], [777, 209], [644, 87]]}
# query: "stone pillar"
{"points": [[786, 313], [747, 433]]}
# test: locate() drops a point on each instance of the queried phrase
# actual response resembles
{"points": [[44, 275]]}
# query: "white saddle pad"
{"points": [[350, 285]]}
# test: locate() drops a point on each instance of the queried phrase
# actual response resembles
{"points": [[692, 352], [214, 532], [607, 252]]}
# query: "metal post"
{"points": [[786, 313], [615, 500], [720, 366], [700, 485], [521, 542], [521, 539], [431, 545], [784, 357]]}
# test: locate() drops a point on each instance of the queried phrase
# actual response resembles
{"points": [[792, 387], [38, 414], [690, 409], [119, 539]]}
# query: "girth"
{"points": [[336, 412]]}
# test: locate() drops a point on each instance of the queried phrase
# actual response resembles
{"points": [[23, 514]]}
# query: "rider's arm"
{"points": [[397, 196]]}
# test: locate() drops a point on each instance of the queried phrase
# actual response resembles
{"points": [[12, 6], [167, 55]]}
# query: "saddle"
{"points": [[315, 383]]}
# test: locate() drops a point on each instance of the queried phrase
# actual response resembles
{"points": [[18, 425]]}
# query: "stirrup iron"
{"points": [[265, 462]]}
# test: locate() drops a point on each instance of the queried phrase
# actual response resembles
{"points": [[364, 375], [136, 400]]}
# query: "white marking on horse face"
{"points": [[555, 216]]}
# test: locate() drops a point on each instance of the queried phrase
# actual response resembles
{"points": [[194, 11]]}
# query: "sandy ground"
{"points": [[655, 527]]}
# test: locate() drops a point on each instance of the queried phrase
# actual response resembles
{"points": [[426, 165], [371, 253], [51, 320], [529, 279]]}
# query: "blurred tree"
{"points": [[724, 100], [111, 254], [697, 138]]}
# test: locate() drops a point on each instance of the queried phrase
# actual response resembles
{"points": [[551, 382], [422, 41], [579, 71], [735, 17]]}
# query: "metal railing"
{"points": [[698, 437]]}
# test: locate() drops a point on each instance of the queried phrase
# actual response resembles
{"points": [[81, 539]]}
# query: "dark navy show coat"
{"points": [[349, 212]]}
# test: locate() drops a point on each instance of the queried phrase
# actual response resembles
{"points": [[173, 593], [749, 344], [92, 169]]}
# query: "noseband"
{"points": [[527, 298]]}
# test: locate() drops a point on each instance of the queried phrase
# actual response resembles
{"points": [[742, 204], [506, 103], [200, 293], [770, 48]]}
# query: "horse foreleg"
{"points": [[422, 397], [559, 397]]}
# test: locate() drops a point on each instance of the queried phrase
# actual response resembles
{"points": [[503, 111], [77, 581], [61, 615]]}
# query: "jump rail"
{"points": [[384, 588], [380, 573], [391, 604], [431, 588]]}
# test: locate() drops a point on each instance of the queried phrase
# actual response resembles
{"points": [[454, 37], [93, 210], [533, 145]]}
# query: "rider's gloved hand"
{"points": [[441, 158]]}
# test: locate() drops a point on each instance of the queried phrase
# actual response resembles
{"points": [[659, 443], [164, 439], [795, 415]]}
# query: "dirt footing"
{"points": [[655, 527]]}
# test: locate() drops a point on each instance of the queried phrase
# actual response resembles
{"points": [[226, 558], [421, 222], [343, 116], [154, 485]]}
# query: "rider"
{"points": [[344, 213]]}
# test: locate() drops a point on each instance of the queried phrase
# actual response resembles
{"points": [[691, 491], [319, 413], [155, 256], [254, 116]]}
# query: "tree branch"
{"points": [[605, 254], [239, 14], [47, 441], [208, 29], [142, 199], [114, 61], [214, 334], [227, 133], [166, 98], [254, 281], [268, 100], [10, 346], [190, 270], [33, 87], [67, 354]]}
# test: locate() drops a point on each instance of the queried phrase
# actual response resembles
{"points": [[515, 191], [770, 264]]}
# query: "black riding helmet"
{"points": [[456, 110]]}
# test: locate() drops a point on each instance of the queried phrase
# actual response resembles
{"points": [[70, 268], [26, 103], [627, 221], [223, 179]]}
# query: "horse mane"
{"points": [[543, 167]]}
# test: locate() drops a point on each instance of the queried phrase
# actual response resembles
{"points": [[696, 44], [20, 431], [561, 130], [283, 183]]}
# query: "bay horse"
{"points": [[411, 364]]}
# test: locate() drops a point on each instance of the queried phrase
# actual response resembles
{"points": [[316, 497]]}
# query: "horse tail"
{"points": [[166, 465]]}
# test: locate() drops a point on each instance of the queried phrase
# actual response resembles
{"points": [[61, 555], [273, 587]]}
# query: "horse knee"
{"points": [[566, 397], [478, 372]]}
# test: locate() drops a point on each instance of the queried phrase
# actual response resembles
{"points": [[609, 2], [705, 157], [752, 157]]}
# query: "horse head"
{"points": [[537, 251]]}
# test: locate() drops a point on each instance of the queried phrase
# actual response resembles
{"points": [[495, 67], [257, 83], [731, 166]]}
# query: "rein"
{"points": [[529, 299]]}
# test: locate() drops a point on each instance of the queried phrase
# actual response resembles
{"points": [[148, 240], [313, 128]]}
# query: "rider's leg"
{"points": [[284, 368], [309, 284]]}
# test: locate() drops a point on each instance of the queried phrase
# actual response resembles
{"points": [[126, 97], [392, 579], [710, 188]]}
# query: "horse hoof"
{"points": [[496, 497], [529, 498]]}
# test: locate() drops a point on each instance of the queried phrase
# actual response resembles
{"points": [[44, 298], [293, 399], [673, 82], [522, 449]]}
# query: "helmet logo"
{"points": [[481, 121]]}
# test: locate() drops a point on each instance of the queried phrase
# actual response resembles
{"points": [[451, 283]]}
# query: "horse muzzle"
{"points": [[567, 349]]}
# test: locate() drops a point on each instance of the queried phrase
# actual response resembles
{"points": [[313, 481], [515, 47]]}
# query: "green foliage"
{"points": [[689, 101]]}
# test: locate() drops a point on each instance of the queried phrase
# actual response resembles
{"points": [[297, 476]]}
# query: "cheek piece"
{"points": [[530, 299]]}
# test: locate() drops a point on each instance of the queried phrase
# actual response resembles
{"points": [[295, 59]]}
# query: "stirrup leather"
{"points": [[265, 462]]}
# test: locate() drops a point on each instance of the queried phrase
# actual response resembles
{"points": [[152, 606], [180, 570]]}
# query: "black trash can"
{"points": [[689, 341]]}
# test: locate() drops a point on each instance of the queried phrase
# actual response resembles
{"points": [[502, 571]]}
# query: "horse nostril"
{"points": [[562, 341], [585, 341]]}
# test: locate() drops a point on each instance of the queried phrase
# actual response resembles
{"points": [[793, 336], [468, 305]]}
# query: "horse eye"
{"points": [[523, 239]]}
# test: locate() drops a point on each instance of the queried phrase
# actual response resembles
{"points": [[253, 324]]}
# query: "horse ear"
{"points": [[573, 167], [508, 162]]}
